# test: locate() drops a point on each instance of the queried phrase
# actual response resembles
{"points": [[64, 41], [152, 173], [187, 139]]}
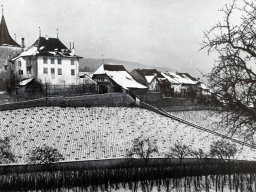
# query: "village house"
{"points": [[151, 78], [115, 78], [49, 61], [175, 84]]}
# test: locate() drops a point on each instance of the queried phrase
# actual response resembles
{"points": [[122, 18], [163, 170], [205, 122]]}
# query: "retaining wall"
{"points": [[109, 100]]}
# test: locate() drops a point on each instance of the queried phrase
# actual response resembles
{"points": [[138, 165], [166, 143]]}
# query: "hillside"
{"points": [[97, 132], [91, 65]]}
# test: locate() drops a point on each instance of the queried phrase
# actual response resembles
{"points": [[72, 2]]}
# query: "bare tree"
{"points": [[233, 77], [142, 148], [223, 149], [199, 154], [45, 155], [6, 156], [180, 151]]}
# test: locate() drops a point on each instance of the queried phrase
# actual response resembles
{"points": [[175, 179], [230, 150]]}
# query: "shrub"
{"points": [[45, 155], [142, 148], [6, 156], [180, 151], [199, 154], [223, 149]]}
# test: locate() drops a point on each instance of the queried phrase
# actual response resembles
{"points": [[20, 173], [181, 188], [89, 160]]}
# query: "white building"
{"points": [[49, 61]]}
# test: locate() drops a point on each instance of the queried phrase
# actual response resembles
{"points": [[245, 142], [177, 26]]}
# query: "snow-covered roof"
{"points": [[150, 78], [119, 75], [86, 79], [171, 78], [186, 79], [203, 86], [181, 78], [47, 47], [25, 82]]}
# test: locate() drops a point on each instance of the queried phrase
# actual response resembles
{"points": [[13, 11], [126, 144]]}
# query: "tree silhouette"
{"points": [[142, 148], [233, 77], [45, 155]]}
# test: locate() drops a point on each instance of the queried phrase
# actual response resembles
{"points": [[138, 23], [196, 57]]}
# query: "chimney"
{"points": [[70, 46], [22, 43], [73, 49]]}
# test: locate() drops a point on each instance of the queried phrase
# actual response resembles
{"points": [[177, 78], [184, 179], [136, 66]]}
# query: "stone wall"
{"points": [[98, 100]]}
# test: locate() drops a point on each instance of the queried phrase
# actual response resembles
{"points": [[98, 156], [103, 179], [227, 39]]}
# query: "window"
{"points": [[52, 71], [52, 60], [45, 60], [72, 71], [72, 62], [19, 64], [20, 72], [28, 61], [29, 70], [59, 71], [45, 70], [59, 61]]}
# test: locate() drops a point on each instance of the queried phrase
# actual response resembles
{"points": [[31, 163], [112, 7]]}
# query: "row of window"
{"points": [[59, 70], [59, 61]]}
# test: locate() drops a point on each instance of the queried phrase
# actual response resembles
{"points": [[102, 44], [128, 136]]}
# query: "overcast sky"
{"points": [[152, 32]]}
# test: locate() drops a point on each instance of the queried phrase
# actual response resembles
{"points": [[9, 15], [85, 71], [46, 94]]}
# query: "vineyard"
{"points": [[98, 132]]}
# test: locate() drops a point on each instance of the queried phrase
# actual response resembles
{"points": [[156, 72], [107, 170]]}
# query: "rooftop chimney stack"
{"points": [[70, 46], [73, 49], [22, 43]]}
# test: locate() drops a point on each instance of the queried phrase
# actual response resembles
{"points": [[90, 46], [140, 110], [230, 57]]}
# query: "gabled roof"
{"points": [[171, 77], [119, 75], [149, 72], [47, 47], [186, 75], [5, 38]]}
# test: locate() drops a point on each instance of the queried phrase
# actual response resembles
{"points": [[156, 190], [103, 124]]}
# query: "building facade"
{"points": [[49, 61]]}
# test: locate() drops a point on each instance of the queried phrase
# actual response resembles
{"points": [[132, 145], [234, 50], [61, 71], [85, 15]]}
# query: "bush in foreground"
{"points": [[142, 148], [45, 155], [180, 151], [6, 156], [223, 149]]}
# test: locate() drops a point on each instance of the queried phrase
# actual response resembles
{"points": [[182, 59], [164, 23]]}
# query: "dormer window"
{"points": [[45, 60], [52, 60]]}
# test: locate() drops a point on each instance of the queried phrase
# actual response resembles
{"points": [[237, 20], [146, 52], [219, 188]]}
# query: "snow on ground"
{"points": [[98, 132]]}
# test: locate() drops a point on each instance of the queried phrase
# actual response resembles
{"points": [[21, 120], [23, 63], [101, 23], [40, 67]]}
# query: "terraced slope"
{"points": [[97, 133]]}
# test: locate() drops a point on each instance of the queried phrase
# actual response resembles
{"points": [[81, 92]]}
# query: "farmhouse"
{"points": [[49, 61], [173, 79], [151, 78], [115, 78]]}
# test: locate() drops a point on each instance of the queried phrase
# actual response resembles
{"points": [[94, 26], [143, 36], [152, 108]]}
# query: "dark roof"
{"points": [[149, 72], [49, 44], [109, 67], [188, 75], [46, 45], [5, 38]]}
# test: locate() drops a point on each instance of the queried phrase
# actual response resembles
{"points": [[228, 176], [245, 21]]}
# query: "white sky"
{"points": [[164, 33]]}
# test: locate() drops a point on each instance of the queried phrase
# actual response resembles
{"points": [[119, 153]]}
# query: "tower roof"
{"points": [[5, 38]]}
